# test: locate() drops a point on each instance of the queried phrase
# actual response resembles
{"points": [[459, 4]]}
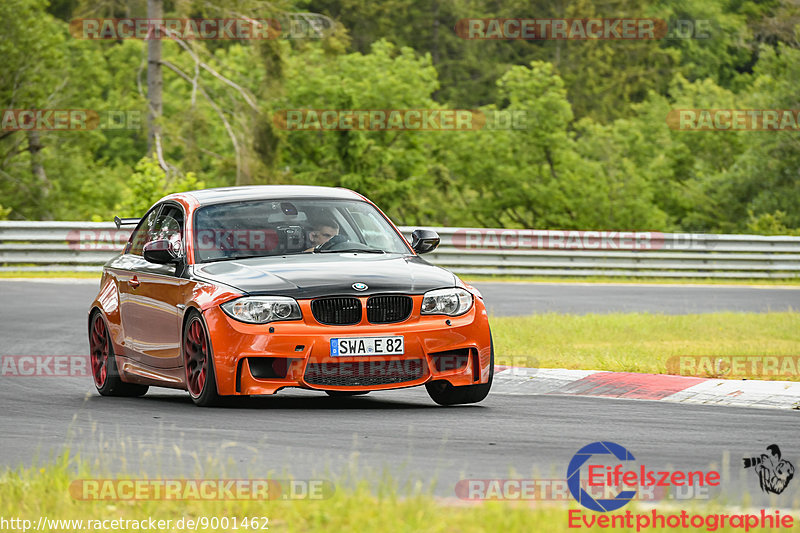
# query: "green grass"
{"points": [[640, 342], [36, 492], [791, 282]]}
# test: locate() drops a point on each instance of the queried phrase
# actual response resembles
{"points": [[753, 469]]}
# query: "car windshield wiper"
{"points": [[237, 257], [250, 256], [354, 250]]}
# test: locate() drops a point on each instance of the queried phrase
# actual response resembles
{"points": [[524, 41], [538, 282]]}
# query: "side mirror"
{"points": [[424, 240], [160, 252]]}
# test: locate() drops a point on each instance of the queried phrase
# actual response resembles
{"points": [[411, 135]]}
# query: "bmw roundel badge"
{"points": [[360, 286]]}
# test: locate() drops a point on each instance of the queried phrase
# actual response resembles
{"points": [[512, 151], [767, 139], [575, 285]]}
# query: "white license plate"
{"points": [[355, 346]]}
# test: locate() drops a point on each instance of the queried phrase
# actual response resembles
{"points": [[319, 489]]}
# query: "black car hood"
{"points": [[316, 275]]}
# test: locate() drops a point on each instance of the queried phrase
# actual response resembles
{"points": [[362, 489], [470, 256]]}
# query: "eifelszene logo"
{"points": [[774, 473], [574, 477], [592, 459]]}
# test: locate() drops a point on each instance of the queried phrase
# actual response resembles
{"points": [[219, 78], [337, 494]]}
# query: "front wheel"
{"points": [[198, 360], [104, 364], [443, 393]]}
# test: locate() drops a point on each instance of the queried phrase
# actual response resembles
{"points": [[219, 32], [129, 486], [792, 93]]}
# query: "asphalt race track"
{"points": [[307, 434]]}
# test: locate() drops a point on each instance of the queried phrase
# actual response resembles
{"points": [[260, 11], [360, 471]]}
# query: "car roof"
{"points": [[269, 192]]}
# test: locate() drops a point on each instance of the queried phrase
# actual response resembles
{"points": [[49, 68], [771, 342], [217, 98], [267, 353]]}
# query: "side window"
{"points": [[141, 234], [169, 227]]}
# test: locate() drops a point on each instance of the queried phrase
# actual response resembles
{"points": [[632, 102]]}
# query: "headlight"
{"points": [[263, 309], [451, 302]]}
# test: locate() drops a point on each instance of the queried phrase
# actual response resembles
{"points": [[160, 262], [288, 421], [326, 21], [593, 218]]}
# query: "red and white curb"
{"points": [[627, 385]]}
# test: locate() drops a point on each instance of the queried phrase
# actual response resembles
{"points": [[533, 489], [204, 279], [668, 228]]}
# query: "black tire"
{"points": [[198, 360], [443, 393], [103, 362], [345, 393]]}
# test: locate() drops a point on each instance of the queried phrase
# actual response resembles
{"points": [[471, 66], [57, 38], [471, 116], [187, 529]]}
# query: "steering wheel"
{"points": [[333, 241]]}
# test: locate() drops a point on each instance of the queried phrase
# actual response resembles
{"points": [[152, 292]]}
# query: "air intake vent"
{"points": [[364, 373]]}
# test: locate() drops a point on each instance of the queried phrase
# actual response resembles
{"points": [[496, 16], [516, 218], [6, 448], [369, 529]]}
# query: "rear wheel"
{"points": [[198, 361], [443, 393], [104, 365]]}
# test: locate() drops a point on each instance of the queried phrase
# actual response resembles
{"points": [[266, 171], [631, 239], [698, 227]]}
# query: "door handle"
{"points": [[134, 282]]}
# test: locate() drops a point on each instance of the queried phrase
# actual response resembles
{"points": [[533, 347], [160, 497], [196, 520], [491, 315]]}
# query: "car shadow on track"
{"points": [[293, 402]]}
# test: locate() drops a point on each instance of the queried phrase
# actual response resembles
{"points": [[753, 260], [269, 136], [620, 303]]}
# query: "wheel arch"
{"points": [[190, 310], [114, 330]]}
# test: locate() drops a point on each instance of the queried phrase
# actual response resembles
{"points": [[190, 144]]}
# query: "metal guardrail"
{"points": [[71, 246]]}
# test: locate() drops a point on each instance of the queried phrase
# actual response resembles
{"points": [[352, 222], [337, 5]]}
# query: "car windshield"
{"points": [[258, 228]]}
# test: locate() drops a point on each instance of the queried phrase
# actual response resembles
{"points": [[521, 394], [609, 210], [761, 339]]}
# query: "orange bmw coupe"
{"points": [[246, 290]]}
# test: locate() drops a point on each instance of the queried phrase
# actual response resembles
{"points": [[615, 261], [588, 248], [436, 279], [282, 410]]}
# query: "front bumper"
{"points": [[298, 352]]}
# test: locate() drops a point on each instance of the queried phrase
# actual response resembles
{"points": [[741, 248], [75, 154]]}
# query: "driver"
{"points": [[323, 229]]}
